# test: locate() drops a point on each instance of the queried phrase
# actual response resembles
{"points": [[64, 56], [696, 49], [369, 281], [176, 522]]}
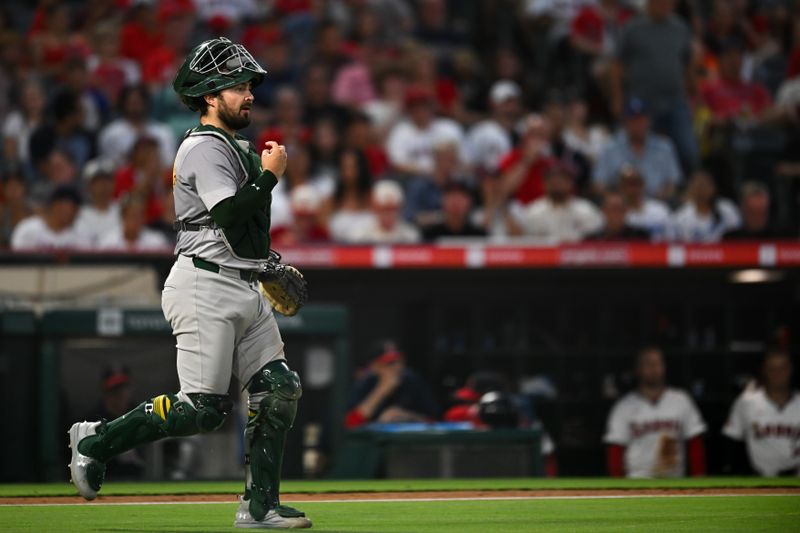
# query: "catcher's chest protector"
{"points": [[250, 240]]}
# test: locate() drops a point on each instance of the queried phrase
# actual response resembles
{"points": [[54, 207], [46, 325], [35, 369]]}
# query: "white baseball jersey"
{"points": [[654, 434], [772, 434]]}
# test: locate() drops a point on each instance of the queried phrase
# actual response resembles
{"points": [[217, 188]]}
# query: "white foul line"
{"points": [[418, 500]]}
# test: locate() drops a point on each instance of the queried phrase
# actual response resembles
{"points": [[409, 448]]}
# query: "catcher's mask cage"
{"points": [[215, 65]]}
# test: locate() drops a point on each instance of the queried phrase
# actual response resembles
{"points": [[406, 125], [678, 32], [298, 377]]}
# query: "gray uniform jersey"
{"points": [[207, 171]]}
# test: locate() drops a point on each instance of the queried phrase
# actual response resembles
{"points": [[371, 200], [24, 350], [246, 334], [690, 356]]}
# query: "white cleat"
{"points": [[85, 473], [272, 521]]}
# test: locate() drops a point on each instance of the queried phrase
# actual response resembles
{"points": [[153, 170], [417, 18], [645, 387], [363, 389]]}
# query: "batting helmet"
{"points": [[212, 66]]}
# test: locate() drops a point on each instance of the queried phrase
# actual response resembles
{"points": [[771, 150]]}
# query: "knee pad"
{"points": [[211, 410], [274, 391], [188, 414]]}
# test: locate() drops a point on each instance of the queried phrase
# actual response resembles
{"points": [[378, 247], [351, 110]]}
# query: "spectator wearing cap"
{"points": [[390, 392], [54, 228], [115, 401], [411, 142], [116, 140], [653, 62], [101, 214], [456, 210], [651, 154], [131, 235], [704, 217], [386, 225], [643, 213], [14, 204], [306, 205], [351, 200], [491, 139], [754, 204], [615, 226], [559, 216]]}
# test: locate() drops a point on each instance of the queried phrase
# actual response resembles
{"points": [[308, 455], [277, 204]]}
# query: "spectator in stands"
{"points": [[615, 225], [730, 97], [117, 400], [362, 135], [754, 204], [643, 213], [143, 176], [635, 144], [324, 150], [490, 140], [588, 140], [53, 41], [141, 32], [306, 204], [287, 126], [410, 143], [20, 124], [386, 226], [423, 199], [14, 204], [131, 234], [704, 217], [559, 216], [94, 104], [351, 201], [386, 110], [555, 111], [53, 229], [63, 130], [766, 420], [100, 215], [117, 139], [58, 169], [109, 70], [317, 93], [654, 429], [652, 63], [522, 170], [456, 210], [390, 392]]}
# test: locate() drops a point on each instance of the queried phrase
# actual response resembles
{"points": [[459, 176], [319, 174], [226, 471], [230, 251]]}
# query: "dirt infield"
{"points": [[421, 495]]}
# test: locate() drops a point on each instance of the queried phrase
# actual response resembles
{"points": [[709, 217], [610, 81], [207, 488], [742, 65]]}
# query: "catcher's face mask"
{"points": [[215, 65]]}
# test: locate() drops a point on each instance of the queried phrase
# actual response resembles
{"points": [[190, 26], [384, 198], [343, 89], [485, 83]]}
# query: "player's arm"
{"points": [[237, 209], [617, 438]]}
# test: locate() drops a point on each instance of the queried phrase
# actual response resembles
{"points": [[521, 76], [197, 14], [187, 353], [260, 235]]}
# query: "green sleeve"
{"points": [[238, 209]]}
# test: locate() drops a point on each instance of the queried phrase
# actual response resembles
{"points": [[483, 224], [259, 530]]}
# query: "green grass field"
{"points": [[683, 513]]}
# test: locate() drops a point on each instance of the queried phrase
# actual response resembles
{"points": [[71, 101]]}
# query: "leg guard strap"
{"points": [[274, 392]]}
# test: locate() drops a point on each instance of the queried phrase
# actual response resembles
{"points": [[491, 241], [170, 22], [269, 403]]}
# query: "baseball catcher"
{"points": [[213, 297]]}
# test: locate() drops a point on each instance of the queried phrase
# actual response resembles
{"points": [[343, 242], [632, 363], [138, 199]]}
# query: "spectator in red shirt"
{"points": [[731, 97], [142, 33], [522, 170], [143, 177], [306, 205]]}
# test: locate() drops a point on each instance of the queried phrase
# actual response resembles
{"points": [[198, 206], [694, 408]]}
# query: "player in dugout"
{"points": [[653, 429], [765, 419]]}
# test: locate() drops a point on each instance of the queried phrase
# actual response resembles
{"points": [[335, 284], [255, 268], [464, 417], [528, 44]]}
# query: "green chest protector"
{"points": [[248, 239]]}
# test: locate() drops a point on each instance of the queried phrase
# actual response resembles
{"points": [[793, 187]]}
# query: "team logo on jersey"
{"points": [[639, 429], [765, 431]]}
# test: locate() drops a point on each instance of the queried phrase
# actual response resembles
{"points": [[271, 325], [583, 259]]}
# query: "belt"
{"points": [[247, 275], [182, 225]]}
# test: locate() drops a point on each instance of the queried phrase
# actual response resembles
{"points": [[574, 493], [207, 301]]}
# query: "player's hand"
{"points": [[273, 158]]}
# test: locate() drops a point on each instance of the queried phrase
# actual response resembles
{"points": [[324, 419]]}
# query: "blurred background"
{"points": [[497, 204]]}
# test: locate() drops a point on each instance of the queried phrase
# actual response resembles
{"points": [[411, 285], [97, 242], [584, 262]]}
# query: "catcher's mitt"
{"points": [[283, 285]]}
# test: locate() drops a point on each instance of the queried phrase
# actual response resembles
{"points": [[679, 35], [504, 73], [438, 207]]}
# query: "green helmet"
{"points": [[214, 65]]}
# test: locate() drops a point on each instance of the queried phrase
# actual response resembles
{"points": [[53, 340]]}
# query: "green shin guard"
{"points": [[274, 392], [168, 415]]}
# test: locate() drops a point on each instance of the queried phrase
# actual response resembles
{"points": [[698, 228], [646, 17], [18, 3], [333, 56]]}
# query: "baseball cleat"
{"points": [[281, 518], [85, 473]]}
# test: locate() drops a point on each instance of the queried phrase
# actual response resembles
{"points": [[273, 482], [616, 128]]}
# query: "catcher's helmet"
{"points": [[212, 66]]}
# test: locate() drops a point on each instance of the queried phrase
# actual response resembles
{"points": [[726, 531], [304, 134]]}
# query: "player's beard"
{"points": [[233, 119]]}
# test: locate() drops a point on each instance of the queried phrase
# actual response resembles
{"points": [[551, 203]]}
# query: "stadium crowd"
{"points": [[415, 120]]}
